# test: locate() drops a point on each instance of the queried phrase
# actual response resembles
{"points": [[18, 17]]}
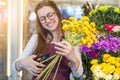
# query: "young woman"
{"points": [[50, 40]]}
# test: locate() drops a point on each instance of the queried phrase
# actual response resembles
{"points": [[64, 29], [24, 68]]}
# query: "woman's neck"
{"points": [[57, 36]]}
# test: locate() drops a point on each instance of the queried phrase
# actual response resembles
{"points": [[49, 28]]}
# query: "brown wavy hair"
{"points": [[43, 43]]}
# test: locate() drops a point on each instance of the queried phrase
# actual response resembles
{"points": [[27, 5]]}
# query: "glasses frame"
{"points": [[43, 19]]}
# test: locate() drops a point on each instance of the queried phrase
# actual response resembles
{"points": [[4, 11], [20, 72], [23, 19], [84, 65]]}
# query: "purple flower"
{"points": [[105, 46], [93, 54], [96, 46], [84, 48], [114, 47], [105, 43]]}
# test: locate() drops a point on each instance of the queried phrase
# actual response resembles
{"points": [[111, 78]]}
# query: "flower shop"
{"points": [[93, 25]]}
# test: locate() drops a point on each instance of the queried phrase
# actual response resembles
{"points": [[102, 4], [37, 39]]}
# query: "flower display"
{"points": [[105, 43], [107, 18], [97, 65], [108, 69]]}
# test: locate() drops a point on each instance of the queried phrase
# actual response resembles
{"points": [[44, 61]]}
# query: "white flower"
{"points": [[108, 77], [116, 29], [98, 72], [115, 77]]}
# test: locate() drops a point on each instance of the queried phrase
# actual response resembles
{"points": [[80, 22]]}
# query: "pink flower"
{"points": [[93, 54], [110, 27]]}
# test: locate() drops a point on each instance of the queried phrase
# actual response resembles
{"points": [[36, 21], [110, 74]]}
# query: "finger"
{"points": [[62, 53], [36, 70], [35, 63], [66, 43], [35, 74], [68, 56], [32, 56], [41, 65], [61, 45], [61, 49]]}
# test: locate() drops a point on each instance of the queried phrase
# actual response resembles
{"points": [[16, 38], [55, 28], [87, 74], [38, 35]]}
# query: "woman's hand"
{"points": [[30, 65], [65, 49]]}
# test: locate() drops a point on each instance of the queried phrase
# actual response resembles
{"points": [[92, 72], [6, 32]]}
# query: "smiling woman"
{"points": [[48, 18], [49, 39]]}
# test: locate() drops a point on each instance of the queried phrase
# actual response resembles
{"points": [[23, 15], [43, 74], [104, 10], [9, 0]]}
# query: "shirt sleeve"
{"points": [[79, 72], [28, 50]]}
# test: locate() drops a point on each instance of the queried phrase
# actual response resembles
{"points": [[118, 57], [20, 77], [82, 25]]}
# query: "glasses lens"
{"points": [[42, 19], [51, 15]]}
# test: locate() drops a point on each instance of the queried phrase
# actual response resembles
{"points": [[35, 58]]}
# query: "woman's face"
{"points": [[48, 18]]}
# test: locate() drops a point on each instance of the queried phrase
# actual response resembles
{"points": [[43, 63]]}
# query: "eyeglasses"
{"points": [[50, 15]]}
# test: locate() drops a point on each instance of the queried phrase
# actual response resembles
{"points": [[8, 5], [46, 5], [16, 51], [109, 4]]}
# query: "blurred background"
{"points": [[17, 23]]}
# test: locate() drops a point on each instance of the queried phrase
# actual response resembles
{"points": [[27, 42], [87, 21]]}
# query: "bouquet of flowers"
{"points": [[77, 32], [108, 69], [107, 19]]}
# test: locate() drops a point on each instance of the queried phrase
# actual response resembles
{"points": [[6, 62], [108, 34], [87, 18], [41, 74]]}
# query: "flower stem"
{"points": [[46, 60], [57, 67], [48, 72], [52, 63]]}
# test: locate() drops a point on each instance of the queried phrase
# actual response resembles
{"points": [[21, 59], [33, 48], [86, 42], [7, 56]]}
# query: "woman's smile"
{"points": [[50, 24]]}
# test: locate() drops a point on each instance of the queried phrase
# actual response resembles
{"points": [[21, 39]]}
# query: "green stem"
{"points": [[46, 59], [51, 68], [48, 72], [57, 67], [53, 62]]}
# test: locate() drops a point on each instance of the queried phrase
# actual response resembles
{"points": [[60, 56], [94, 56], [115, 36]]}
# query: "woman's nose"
{"points": [[47, 19]]}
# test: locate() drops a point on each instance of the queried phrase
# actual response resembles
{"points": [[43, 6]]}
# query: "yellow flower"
{"points": [[117, 10], [105, 57], [65, 21], [117, 64], [80, 22], [92, 24], [86, 23], [103, 8], [108, 68], [72, 19], [64, 28], [94, 61], [117, 71], [83, 41], [111, 60], [89, 44], [85, 18], [95, 67], [92, 12]]}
